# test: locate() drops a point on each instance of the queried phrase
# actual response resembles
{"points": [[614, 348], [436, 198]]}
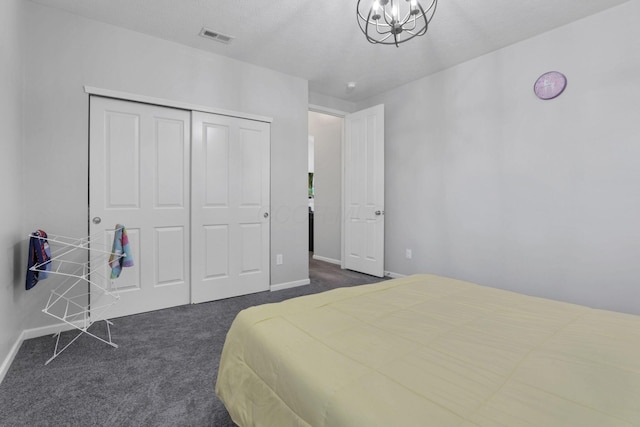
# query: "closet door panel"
{"points": [[251, 235], [140, 177], [251, 165], [122, 155], [215, 150], [230, 214], [171, 268], [170, 168], [216, 256]]}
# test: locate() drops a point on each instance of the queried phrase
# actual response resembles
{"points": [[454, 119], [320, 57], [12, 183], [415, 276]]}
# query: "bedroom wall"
{"points": [[327, 133], [66, 52], [487, 183], [331, 102], [11, 232]]}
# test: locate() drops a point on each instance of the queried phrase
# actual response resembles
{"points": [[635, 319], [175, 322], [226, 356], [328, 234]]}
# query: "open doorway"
{"points": [[348, 188], [325, 186]]}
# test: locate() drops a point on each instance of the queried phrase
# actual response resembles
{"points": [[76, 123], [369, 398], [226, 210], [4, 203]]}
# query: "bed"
{"points": [[426, 350]]}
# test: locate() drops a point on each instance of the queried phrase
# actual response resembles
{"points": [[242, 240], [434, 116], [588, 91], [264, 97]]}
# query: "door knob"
{"points": [[96, 220], [379, 212], [266, 215]]}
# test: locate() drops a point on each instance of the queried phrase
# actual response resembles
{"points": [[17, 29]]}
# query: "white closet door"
{"points": [[230, 207], [139, 177]]}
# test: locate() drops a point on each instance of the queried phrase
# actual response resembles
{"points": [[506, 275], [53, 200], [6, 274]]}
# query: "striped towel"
{"points": [[120, 252]]}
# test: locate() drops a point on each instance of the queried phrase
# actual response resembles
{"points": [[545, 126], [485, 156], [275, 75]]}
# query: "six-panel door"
{"points": [[140, 177], [230, 209], [364, 191]]}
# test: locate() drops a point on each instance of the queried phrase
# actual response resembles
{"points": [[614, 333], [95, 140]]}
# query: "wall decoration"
{"points": [[550, 85]]}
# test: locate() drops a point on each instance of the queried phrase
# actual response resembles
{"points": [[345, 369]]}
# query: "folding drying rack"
{"points": [[84, 294]]}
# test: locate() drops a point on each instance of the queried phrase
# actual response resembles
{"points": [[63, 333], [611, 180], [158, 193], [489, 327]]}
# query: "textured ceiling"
{"points": [[320, 40]]}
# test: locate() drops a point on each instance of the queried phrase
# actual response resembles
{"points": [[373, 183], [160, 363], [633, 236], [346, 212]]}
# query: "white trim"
{"points": [[108, 93], [325, 259], [325, 110], [287, 285], [6, 364], [343, 211], [394, 275], [28, 334]]}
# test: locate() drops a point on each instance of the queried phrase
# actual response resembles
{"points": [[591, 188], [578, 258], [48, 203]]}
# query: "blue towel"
{"points": [[39, 258], [120, 252]]}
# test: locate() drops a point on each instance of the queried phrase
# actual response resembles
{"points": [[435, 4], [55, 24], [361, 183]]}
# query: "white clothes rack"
{"points": [[83, 292]]}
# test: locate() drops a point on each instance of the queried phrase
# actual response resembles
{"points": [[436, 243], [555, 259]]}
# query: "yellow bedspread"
{"points": [[430, 351]]}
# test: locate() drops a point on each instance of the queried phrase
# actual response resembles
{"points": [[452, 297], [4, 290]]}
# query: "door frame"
{"points": [[341, 114], [128, 96]]}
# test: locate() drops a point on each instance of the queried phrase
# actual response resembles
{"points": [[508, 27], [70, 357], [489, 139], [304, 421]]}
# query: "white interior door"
{"points": [[364, 191], [139, 177], [230, 206]]}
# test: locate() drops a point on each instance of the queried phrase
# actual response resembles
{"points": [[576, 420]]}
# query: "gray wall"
{"points": [[485, 182], [327, 133], [65, 52], [331, 102], [12, 297]]}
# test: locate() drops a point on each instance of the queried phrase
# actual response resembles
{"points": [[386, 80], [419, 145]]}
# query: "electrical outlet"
{"points": [[408, 254], [279, 259]]}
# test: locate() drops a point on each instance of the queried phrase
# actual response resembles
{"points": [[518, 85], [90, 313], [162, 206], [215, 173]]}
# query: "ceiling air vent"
{"points": [[214, 35]]}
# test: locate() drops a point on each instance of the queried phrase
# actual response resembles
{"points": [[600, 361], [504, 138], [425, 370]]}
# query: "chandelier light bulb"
{"points": [[375, 15], [414, 7]]}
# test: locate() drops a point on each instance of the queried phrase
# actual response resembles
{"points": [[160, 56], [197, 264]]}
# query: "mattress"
{"points": [[430, 351]]}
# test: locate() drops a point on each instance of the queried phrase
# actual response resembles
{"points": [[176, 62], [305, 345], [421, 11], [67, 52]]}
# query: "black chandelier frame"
{"points": [[382, 26]]}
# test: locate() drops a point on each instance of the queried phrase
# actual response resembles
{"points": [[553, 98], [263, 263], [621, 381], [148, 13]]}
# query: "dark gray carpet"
{"points": [[162, 374]]}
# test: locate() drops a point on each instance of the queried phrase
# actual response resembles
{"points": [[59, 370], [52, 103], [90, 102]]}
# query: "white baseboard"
{"points": [[287, 285], [325, 259], [26, 335], [4, 368], [394, 275]]}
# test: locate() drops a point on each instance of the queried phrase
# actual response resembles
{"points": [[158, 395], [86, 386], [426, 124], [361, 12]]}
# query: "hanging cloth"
{"points": [[39, 259], [120, 252]]}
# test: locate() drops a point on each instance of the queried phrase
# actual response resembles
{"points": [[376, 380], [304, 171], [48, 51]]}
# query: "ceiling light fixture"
{"points": [[394, 21]]}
